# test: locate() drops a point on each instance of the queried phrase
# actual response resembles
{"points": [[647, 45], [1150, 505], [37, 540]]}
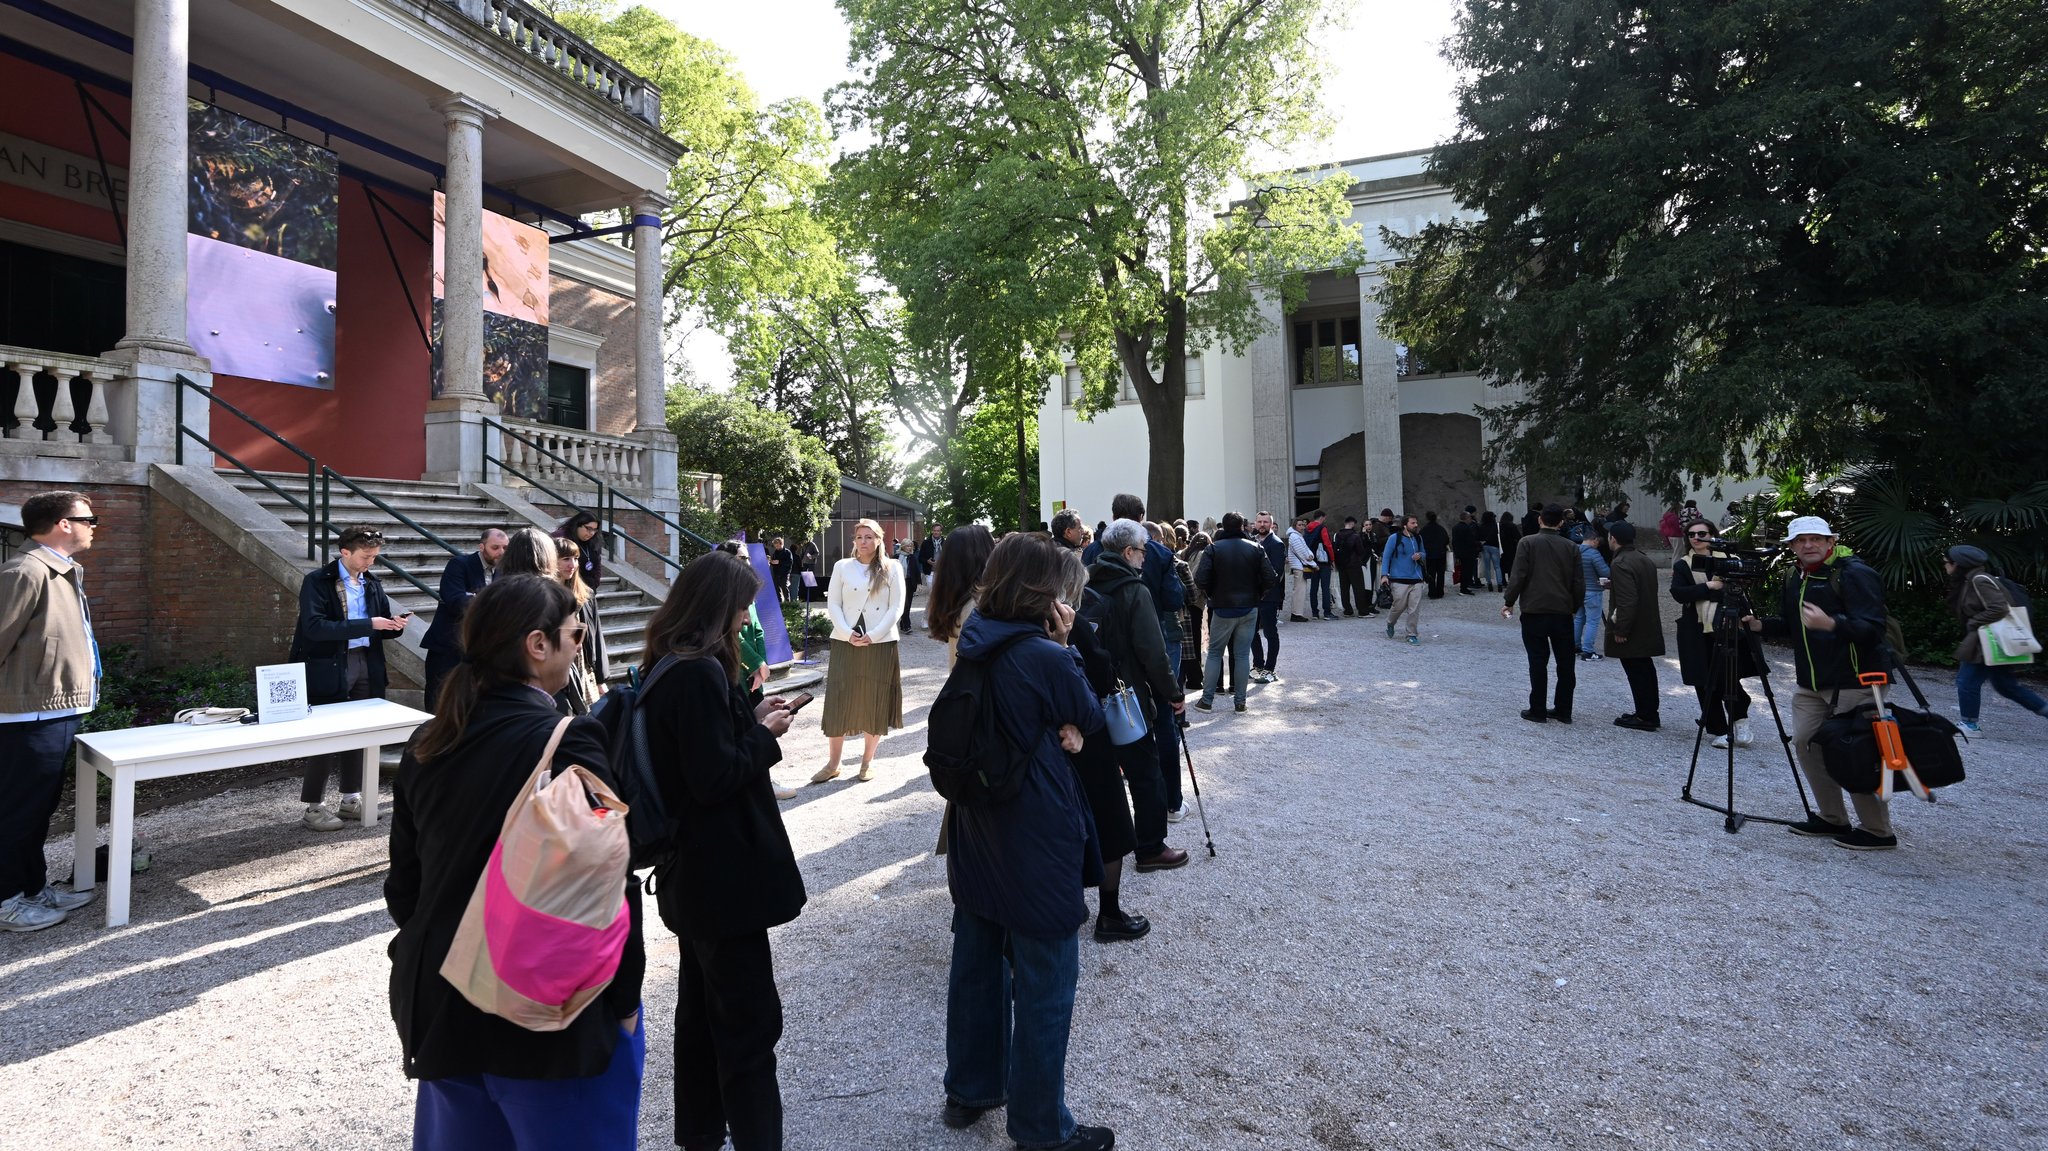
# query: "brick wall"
{"points": [[115, 576], [575, 304]]}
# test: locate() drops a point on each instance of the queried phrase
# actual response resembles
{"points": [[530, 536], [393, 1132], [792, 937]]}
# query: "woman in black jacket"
{"points": [[733, 875], [1127, 624], [486, 1081], [1696, 584], [1097, 767]]}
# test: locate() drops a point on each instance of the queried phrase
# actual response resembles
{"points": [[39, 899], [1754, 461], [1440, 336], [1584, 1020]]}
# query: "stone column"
{"points": [[650, 368], [455, 430], [1272, 413], [1383, 483]]}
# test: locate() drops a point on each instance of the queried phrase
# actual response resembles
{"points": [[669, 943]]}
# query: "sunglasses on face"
{"points": [[574, 632], [1699, 535], [88, 521]]}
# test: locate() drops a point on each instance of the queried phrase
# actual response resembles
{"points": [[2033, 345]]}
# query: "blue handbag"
{"points": [[1125, 714]]}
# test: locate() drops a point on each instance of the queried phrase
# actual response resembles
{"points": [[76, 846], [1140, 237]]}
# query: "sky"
{"points": [[1390, 89]]}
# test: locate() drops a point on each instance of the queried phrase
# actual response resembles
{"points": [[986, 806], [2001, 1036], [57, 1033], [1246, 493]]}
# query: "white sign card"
{"points": [[810, 579], [281, 693]]}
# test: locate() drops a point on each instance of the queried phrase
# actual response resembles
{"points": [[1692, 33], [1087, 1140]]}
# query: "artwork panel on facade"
{"points": [[259, 316], [515, 364], [515, 267], [256, 187]]}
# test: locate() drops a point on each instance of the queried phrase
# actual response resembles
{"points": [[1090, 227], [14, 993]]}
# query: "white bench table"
{"points": [[135, 753]]}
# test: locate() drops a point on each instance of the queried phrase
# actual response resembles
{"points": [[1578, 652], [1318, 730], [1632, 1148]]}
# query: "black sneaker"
{"points": [[1635, 722], [1534, 716], [1857, 839], [1559, 716], [1238, 707], [957, 1115], [1814, 827], [1124, 926], [1086, 1138], [1204, 705]]}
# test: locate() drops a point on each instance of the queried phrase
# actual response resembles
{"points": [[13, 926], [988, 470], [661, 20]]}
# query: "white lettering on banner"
{"points": [[54, 171]]}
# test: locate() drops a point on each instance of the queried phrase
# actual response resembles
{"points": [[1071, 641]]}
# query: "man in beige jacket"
{"points": [[49, 677]]}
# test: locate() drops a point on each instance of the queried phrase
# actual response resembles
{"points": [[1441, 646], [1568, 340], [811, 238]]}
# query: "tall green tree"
{"points": [[828, 360], [1747, 237], [774, 477], [1079, 151]]}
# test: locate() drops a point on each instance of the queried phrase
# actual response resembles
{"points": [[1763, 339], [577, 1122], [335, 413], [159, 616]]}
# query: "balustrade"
{"points": [[55, 397], [531, 31], [617, 461]]}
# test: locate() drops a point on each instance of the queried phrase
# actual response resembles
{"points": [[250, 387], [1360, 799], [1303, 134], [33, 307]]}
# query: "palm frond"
{"points": [[2023, 510], [1892, 531]]}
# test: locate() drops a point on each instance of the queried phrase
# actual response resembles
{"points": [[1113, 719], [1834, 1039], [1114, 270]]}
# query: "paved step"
{"points": [[457, 517]]}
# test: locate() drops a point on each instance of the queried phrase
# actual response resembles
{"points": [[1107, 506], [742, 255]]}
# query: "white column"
{"points": [[462, 314], [1382, 388], [157, 164], [455, 428], [650, 378], [1272, 413]]}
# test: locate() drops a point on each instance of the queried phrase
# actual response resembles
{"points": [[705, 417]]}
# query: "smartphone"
{"points": [[797, 704]]}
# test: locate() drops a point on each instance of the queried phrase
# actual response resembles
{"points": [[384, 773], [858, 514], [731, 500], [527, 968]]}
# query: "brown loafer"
{"points": [[1167, 859]]}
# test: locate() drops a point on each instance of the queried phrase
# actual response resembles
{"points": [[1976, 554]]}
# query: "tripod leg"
{"points": [[1755, 647]]}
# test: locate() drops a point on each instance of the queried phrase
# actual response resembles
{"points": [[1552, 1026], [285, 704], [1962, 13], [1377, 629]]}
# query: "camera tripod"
{"points": [[1732, 641]]}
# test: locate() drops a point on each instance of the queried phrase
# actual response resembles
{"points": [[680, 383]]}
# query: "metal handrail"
{"points": [[327, 476], [559, 498], [607, 496], [209, 445], [672, 525]]}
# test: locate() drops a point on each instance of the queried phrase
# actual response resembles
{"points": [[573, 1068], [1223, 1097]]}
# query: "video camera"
{"points": [[1739, 564]]}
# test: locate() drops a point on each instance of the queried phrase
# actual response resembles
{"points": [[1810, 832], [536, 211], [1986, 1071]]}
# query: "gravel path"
{"points": [[1428, 924]]}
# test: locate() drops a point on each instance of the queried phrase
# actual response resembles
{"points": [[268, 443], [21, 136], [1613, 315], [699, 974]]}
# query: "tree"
{"points": [[740, 229], [1750, 237], [1075, 148], [774, 477], [826, 359]]}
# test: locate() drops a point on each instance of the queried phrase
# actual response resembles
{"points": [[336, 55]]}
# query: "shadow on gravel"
{"points": [[52, 1006]]}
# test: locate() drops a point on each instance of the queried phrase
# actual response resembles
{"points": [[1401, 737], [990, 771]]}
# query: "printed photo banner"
{"points": [[261, 250], [515, 294]]}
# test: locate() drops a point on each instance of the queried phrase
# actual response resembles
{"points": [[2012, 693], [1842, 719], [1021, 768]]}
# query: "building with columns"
{"points": [[482, 112], [1322, 411]]}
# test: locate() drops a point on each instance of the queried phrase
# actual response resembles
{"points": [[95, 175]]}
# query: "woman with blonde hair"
{"points": [[863, 680]]}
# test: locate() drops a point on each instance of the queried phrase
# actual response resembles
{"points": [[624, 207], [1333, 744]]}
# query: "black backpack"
{"points": [[972, 762], [650, 829]]}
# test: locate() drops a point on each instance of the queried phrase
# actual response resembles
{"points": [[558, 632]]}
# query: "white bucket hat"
{"points": [[1808, 526]]}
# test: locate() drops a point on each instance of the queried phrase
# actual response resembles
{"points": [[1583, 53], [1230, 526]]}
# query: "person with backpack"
{"points": [[1979, 600], [1403, 569], [485, 1081], [1122, 614], [1098, 767], [1832, 609], [732, 874], [1016, 868]]}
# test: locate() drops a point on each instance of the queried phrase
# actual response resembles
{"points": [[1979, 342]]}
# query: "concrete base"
{"points": [[457, 440], [142, 404]]}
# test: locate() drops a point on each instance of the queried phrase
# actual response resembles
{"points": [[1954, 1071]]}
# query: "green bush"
{"points": [[793, 619], [134, 696]]}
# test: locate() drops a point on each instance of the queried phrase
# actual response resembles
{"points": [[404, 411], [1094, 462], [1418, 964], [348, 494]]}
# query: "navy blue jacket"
{"points": [[1023, 863], [320, 640], [1167, 594], [460, 581], [1276, 551]]}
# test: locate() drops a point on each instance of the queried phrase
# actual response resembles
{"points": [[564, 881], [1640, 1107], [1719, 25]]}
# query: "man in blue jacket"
{"points": [[1266, 634], [461, 580]]}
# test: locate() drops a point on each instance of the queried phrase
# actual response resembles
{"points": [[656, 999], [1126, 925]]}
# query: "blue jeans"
{"points": [[1266, 638], [1489, 566], [1009, 1007], [488, 1112], [1970, 679], [1319, 601], [31, 780], [1234, 635], [1586, 623]]}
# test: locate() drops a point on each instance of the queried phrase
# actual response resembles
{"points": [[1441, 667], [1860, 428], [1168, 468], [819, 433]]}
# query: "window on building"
{"points": [[1075, 386], [59, 302], [1327, 351], [569, 396]]}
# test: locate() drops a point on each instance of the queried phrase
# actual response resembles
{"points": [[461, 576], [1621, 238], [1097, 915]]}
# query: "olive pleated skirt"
{"points": [[863, 690]]}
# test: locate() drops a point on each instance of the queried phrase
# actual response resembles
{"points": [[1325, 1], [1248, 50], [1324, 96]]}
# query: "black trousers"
{"points": [[1642, 684], [31, 780], [346, 764], [440, 661], [1547, 636], [1265, 640], [1468, 567], [1711, 697], [1433, 569], [1142, 774], [1351, 589], [728, 1020]]}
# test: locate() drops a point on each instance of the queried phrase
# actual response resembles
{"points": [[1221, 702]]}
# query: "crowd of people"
{"points": [[1066, 619]]}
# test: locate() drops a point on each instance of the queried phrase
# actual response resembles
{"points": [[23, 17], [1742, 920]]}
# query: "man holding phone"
{"points": [[344, 621]]}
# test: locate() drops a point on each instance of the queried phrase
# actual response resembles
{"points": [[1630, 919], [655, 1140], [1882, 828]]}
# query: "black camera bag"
{"points": [[1848, 746]]}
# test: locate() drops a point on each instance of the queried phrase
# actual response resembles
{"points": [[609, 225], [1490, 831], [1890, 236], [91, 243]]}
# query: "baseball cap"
{"points": [[1807, 526]]}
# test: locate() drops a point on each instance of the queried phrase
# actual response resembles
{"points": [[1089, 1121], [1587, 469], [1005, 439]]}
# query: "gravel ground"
{"points": [[1428, 924]]}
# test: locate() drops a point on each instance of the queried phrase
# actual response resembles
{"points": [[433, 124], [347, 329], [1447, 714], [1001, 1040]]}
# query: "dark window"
{"points": [[58, 302], [1327, 351], [568, 394]]}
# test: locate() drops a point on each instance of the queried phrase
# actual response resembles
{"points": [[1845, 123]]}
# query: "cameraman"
{"points": [[1836, 604]]}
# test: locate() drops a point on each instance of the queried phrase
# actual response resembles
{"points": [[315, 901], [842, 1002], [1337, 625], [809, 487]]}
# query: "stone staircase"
{"points": [[625, 600]]}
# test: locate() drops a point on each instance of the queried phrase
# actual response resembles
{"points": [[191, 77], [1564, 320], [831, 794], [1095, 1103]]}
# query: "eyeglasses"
{"points": [[88, 521], [1699, 535]]}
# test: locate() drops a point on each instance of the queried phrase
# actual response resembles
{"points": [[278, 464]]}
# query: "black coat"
{"points": [[320, 640], [445, 819], [1465, 541], [1235, 573], [734, 871], [461, 580], [1352, 547], [1129, 628], [1853, 593], [1696, 624], [1276, 554]]}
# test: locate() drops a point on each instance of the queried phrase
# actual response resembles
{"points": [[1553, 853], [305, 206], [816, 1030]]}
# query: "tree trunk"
{"points": [[1163, 399], [1026, 506]]}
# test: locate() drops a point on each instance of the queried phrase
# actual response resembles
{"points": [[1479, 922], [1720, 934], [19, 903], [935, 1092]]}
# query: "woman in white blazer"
{"points": [[863, 680]]}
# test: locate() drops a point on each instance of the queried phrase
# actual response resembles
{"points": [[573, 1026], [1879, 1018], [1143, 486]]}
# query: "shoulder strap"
{"points": [[547, 755]]}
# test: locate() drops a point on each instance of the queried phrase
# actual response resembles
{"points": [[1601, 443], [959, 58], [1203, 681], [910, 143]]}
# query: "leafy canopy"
{"points": [[775, 478], [1748, 237]]}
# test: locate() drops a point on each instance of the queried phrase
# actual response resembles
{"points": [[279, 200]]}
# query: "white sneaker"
{"points": [[350, 809], [318, 818], [57, 900], [1742, 736], [20, 913], [1720, 743], [1178, 813]]}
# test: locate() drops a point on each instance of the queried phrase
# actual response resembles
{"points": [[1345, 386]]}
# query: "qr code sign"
{"points": [[284, 691]]}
